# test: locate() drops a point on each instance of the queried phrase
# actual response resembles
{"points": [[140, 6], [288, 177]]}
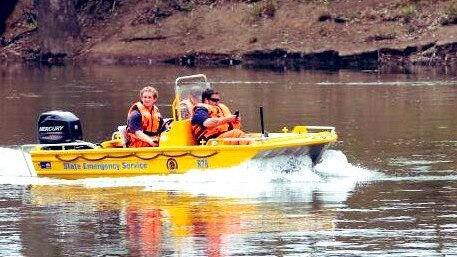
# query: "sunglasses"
{"points": [[214, 99]]}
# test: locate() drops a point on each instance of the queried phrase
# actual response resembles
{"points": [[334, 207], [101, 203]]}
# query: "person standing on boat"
{"points": [[144, 120], [213, 119], [187, 105]]}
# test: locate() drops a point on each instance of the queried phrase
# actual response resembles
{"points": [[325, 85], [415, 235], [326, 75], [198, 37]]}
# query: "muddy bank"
{"points": [[389, 35], [383, 59]]}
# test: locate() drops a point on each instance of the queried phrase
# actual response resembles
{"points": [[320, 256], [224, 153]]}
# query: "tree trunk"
{"points": [[58, 28], [6, 8]]}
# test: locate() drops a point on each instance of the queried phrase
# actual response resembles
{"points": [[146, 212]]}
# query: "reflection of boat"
{"points": [[177, 153], [159, 223], [151, 219], [182, 215]]}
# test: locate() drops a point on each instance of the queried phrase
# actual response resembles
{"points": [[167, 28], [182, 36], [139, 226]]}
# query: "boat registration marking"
{"points": [[202, 164]]}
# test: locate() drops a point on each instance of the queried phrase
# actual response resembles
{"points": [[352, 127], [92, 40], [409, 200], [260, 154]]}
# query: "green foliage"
{"points": [[407, 2], [408, 10], [450, 14], [451, 9], [327, 2], [256, 12], [263, 9]]}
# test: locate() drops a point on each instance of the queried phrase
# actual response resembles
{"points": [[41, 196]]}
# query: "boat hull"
{"points": [[125, 162], [133, 162]]}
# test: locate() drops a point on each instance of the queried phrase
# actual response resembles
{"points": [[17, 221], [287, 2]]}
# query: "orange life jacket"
{"points": [[150, 122], [201, 132]]}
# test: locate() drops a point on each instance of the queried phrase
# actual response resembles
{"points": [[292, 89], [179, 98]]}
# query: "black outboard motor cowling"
{"points": [[55, 127]]}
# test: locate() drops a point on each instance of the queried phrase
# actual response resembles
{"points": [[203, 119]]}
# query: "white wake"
{"points": [[271, 179]]}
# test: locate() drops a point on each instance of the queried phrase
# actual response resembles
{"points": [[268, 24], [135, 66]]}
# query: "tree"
{"points": [[58, 28], [6, 8]]}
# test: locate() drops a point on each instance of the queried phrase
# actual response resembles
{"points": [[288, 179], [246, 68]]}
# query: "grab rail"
{"points": [[330, 128], [190, 77], [62, 145]]}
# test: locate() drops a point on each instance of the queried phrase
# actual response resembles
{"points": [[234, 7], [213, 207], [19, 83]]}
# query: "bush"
{"points": [[451, 9], [450, 14], [267, 9], [408, 10], [327, 2]]}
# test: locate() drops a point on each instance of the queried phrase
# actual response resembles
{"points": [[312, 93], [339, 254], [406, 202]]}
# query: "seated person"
{"points": [[187, 105], [144, 120], [213, 119]]}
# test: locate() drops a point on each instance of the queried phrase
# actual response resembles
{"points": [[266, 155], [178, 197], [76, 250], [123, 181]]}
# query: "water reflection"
{"points": [[155, 223], [383, 218]]}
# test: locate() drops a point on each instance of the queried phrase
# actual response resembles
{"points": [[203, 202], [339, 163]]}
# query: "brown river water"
{"points": [[388, 187]]}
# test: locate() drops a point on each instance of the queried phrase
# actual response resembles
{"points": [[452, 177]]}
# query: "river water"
{"points": [[387, 188]]}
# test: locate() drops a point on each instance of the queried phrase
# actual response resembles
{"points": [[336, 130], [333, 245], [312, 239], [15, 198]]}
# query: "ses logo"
{"points": [[45, 165]]}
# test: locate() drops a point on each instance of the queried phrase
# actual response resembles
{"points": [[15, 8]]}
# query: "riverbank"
{"points": [[368, 34]]}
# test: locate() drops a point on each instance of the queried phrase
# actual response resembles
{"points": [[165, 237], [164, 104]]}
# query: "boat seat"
{"points": [[179, 134], [123, 134], [118, 139]]}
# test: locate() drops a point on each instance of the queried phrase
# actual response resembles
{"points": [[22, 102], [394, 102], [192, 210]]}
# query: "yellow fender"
{"points": [[300, 130]]}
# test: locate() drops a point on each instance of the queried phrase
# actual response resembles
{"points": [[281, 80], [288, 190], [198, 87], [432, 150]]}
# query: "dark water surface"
{"points": [[387, 188]]}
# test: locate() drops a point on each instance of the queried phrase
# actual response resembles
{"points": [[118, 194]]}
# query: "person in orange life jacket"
{"points": [[214, 120], [187, 105], [144, 120]]}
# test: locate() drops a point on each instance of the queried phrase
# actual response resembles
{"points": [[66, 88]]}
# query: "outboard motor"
{"points": [[55, 127]]}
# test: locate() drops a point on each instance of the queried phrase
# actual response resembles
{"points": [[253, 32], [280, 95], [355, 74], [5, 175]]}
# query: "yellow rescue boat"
{"points": [[177, 152]]}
